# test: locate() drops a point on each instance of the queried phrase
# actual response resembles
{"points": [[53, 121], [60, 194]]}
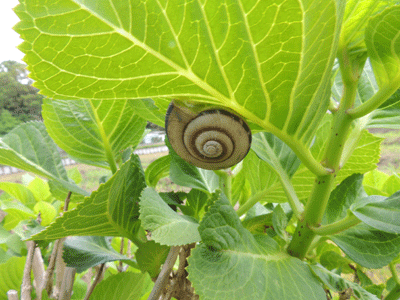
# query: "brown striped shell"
{"points": [[213, 139]]}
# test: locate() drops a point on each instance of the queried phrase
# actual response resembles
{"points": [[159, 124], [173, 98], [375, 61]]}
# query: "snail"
{"points": [[212, 139]]}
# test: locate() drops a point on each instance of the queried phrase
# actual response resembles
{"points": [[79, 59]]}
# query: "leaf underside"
{"points": [[230, 54]]}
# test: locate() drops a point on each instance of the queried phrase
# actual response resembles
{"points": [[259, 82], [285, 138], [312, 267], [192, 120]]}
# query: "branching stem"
{"points": [[337, 227], [323, 185], [376, 100]]}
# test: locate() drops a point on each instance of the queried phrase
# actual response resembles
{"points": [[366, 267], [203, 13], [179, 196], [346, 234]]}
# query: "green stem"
{"points": [[251, 202], [336, 227], [393, 270], [376, 100], [107, 146], [225, 182], [291, 195], [323, 185]]}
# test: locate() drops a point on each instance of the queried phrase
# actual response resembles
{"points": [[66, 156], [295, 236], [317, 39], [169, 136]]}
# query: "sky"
{"points": [[9, 38]]}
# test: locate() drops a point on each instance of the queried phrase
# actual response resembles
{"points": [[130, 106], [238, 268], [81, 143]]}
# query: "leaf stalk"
{"points": [[337, 227], [376, 100]]}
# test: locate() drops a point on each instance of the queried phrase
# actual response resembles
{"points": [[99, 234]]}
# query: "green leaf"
{"points": [[16, 212], [383, 215], [19, 192], [146, 109], [30, 148], [280, 221], [150, 257], [196, 200], [79, 289], [75, 175], [11, 274], [383, 44], [4, 256], [332, 260], [337, 283], [92, 131], [125, 285], [39, 188], [59, 192], [84, 252], [47, 212], [392, 184], [374, 182], [276, 153], [15, 245], [112, 210], [388, 114], [185, 174], [259, 174], [342, 197], [356, 17], [4, 235], [181, 51], [231, 263], [241, 187], [167, 226], [367, 246], [157, 169]]}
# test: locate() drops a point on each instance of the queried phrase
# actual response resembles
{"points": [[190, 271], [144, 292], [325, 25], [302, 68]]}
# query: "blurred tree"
{"points": [[7, 122], [17, 95]]}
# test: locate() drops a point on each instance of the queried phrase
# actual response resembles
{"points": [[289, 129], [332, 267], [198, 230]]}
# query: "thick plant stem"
{"points": [[323, 185]]}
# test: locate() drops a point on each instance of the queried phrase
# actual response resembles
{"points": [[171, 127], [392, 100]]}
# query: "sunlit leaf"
{"points": [[112, 210], [203, 51], [30, 148], [383, 43], [150, 257], [90, 130], [126, 285], [11, 274]]}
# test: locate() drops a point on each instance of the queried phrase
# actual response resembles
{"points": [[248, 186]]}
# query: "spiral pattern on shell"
{"points": [[213, 139]]}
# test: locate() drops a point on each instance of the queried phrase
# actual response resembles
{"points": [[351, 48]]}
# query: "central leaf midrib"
{"points": [[107, 147]]}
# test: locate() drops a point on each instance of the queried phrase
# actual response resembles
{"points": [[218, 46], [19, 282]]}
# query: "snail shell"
{"points": [[213, 139]]}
